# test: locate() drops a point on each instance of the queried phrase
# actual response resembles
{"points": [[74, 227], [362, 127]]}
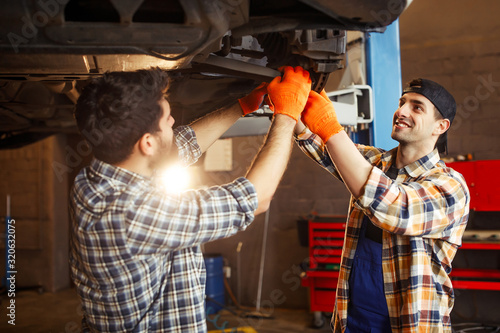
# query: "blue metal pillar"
{"points": [[383, 67]]}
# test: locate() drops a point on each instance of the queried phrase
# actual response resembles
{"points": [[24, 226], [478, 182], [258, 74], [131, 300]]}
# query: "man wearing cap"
{"points": [[407, 214]]}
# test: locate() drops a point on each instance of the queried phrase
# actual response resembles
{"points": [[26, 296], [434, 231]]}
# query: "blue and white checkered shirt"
{"points": [[135, 250]]}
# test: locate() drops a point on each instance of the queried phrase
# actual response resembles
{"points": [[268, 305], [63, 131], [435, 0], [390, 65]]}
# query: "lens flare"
{"points": [[175, 179]]}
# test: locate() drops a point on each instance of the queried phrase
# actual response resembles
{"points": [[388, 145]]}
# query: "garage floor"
{"points": [[60, 313]]}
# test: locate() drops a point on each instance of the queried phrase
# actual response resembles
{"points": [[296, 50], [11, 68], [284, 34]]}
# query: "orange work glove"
{"points": [[252, 101], [288, 94], [319, 115]]}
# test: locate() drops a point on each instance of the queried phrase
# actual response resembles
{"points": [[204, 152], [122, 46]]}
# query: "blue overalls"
{"points": [[367, 311]]}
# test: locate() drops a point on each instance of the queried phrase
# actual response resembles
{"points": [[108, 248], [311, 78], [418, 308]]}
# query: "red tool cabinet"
{"points": [[326, 238], [483, 180]]}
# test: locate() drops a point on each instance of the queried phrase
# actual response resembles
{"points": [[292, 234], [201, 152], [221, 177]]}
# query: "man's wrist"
{"points": [[300, 128], [328, 127], [285, 119], [326, 135]]}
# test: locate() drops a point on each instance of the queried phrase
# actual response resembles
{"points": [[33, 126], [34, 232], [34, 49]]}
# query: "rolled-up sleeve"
{"points": [[312, 145], [429, 206], [158, 222], [187, 145]]}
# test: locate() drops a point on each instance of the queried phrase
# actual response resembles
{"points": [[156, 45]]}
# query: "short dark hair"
{"points": [[115, 110], [442, 139]]}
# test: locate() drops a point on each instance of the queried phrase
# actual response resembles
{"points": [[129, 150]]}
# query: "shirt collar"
{"points": [[416, 168], [122, 175]]}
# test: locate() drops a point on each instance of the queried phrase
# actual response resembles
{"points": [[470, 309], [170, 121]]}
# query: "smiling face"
{"points": [[415, 123]]}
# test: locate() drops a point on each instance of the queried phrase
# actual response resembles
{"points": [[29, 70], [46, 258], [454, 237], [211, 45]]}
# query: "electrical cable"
{"points": [[475, 327], [230, 293]]}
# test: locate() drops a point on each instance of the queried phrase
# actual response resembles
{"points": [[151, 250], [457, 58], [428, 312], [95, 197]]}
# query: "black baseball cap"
{"points": [[442, 100]]}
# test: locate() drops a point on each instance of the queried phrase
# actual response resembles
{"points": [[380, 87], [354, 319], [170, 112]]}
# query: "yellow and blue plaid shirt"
{"points": [[135, 251], [423, 214]]}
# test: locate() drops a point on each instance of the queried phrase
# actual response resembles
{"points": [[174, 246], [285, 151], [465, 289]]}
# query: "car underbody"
{"points": [[216, 51]]}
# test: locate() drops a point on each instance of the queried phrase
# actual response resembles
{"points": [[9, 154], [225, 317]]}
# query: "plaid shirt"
{"points": [[135, 250], [423, 214]]}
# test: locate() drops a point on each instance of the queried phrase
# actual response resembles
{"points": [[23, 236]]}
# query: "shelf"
{"points": [[327, 274], [465, 278], [326, 238], [480, 246], [476, 285]]}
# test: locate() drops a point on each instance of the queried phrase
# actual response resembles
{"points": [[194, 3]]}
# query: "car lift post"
{"points": [[383, 67]]}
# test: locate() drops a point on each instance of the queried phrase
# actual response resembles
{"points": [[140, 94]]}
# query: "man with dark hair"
{"points": [[407, 214], [135, 250], [115, 111]]}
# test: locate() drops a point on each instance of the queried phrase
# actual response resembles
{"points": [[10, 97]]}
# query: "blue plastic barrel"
{"points": [[214, 288]]}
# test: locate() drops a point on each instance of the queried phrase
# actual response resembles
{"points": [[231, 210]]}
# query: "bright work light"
{"points": [[175, 179]]}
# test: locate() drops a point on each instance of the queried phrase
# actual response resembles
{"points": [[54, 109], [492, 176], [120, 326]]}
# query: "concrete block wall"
{"points": [[39, 207], [38, 178], [305, 188], [457, 43]]}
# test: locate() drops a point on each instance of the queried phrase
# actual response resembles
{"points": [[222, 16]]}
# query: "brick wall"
{"points": [[304, 189], [39, 207], [457, 43]]}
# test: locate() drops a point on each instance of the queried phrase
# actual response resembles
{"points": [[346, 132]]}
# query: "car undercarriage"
{"points": [[216, 51]]}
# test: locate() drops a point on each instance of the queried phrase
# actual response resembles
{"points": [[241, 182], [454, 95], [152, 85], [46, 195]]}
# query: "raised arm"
{"points": [[209, 128], [351, 165], [288, 96], [271, 161], [319, 116]]}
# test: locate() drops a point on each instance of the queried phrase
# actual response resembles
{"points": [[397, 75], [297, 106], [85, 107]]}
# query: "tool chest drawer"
{"points": [[483, 182], [326, 238], [325, 241]]}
